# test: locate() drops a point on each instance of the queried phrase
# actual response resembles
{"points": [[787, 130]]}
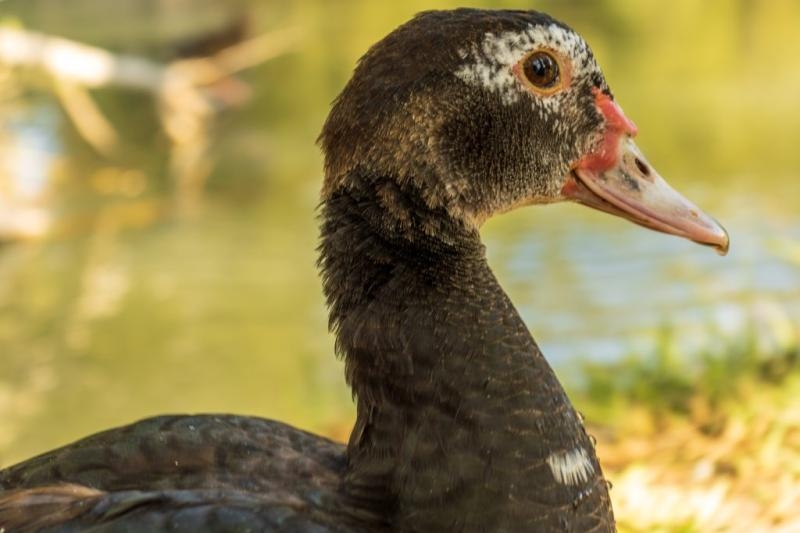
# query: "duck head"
{"points": [[478, 112]]}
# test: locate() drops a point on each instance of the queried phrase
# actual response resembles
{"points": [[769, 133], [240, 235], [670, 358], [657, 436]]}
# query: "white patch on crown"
{"points": [[491, 61], [572, 467]]}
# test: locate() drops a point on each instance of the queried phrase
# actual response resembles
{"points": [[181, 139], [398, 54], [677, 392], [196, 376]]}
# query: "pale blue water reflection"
{"points": [[601, 289]]}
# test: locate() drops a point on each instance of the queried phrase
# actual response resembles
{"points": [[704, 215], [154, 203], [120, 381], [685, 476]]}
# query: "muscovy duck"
{"points": [[461, 423]]}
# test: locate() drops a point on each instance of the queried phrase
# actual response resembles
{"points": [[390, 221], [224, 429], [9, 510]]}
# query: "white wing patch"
{"points": [[490, 62], [571, 467]]}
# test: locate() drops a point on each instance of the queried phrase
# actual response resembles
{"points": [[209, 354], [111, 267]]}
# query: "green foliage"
{"points": [[667, 382]]}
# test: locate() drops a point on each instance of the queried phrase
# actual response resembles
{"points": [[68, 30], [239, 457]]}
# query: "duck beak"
{"points": [[616, 178]]}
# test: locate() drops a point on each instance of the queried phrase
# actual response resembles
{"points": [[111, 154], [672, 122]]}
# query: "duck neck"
{"points": [[461, 423]]}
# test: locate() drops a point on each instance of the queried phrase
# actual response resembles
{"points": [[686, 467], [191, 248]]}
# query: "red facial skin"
{"points": [[617, 125], [606, 156]]}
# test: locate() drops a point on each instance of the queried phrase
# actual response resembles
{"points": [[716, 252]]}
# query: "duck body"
{"points": [[180, 473], [458, 467], [461, 424], [441, 417], [462, 404]]}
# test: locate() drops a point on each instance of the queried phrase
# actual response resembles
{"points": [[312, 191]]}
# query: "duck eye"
{"points": [[541, 70]]}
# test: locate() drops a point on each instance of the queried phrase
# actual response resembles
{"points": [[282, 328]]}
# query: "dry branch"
{"points": [[79, 63], [94, 67], [184, 89]]}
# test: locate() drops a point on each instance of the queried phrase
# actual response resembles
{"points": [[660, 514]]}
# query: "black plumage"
{"points": [[461, 424]]}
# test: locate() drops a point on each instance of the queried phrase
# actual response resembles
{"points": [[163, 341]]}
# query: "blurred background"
{"points": [[158, 184]]}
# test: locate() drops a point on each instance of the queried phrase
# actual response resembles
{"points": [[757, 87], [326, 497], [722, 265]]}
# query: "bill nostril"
{"points": [[643, 168]]}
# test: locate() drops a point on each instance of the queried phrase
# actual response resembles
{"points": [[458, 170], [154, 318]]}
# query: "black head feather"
{"points": [[435, 107]]}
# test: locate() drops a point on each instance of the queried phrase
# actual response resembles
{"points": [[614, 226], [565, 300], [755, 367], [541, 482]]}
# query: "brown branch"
{"points": [[87, 117], [94, 67], [185, 89], [85, 65]]}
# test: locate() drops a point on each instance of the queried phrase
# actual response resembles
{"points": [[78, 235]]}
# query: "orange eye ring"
{"points": [[543, 72]]}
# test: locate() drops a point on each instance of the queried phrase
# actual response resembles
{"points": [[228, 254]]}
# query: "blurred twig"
{"points": [[241, 56], [94, 67], [87, 117], [85, 65], [189, 92]]}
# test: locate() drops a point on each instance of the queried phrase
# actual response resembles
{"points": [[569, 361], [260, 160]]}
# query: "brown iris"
{"points": [[541, 70]]}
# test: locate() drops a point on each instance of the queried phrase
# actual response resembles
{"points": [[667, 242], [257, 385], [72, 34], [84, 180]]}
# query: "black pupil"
{"points": [[541, 70]]}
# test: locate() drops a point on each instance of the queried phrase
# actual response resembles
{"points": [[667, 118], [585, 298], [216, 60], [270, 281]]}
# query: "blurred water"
{"points": [[27, 153], [223, 312], [603, 289]]}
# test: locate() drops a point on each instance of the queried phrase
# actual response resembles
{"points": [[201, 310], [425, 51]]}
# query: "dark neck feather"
{"points": [[459, 417]]}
